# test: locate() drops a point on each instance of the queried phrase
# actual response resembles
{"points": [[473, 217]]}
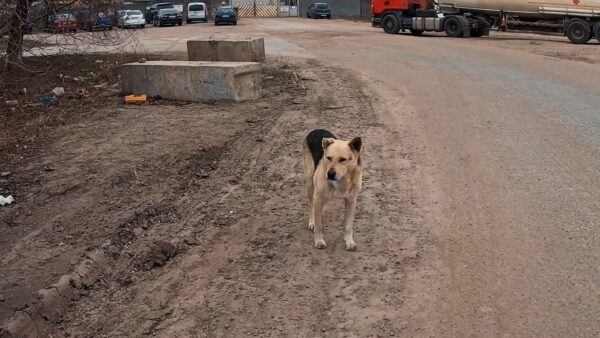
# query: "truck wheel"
{"points": [[578, 31], [391, 24], [597, 31], [416, 32], [483, 23], [453, 27], [477, 32], [483, 20]]}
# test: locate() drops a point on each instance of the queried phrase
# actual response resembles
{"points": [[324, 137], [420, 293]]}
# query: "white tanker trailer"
{"points": [[579, 20]]}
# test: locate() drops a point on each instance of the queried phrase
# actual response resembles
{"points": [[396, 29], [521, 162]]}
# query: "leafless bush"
{"points": [[27, 27]]}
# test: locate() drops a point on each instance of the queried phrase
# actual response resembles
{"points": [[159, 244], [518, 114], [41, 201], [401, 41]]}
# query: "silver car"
{"points": [[131, 18]]}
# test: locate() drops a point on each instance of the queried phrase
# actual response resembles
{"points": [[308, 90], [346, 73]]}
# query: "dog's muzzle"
{"points": [[331, 175]]}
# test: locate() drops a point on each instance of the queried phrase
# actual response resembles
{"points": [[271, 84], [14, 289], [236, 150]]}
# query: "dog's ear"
{"points": [[355, 144], [327, 142]]}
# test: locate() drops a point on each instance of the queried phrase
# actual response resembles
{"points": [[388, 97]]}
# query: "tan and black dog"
{"points": [[331, 170]]}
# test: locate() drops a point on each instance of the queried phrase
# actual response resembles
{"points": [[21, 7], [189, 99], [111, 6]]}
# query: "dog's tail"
{"points": [[313, 143]]}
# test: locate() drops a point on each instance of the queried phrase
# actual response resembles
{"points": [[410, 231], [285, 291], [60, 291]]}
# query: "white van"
{"points": [[196, 11]]}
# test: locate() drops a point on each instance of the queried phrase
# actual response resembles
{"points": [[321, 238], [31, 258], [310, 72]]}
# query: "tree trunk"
{"points": [[14, 49]]}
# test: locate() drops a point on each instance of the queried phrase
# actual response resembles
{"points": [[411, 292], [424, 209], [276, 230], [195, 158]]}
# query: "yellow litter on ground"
{"points": [[136, 99]]}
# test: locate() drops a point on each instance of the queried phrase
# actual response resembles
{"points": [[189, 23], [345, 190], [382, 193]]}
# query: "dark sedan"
{"points": [[225, 15], [319, 10], [151, 12], [168, 17]]}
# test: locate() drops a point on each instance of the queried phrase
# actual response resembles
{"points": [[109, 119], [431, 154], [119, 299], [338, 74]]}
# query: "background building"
{"points": [[342, 8]]}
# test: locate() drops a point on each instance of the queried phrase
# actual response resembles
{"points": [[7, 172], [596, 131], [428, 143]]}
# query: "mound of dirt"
{"points": [[157, 255]]}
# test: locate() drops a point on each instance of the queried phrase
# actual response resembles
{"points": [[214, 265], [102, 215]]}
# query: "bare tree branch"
{"points": [[21, 17]]}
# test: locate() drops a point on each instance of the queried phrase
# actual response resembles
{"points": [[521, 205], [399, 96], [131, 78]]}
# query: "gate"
{"points": [[288, 7], [256, 8]]}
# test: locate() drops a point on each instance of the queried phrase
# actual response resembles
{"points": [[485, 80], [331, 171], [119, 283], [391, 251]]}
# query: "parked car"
{"points": [[132, 18], [168, 16], [319, 10], [64, 22], [225, 14], [151, 12], [91, 21], [196, 11]]}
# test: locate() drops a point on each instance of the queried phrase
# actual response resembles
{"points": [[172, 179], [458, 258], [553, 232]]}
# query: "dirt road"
{"points": [[479, 216], [507, 148]]}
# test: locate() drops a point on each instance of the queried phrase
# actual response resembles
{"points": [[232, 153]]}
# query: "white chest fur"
{"points": [[340, 190]]}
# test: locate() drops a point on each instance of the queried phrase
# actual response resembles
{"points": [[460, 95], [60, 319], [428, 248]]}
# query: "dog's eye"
{"points": [[342, 159], [329, 158]]}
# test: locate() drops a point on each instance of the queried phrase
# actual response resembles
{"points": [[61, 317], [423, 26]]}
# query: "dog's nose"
{"points": [[331, 175]]}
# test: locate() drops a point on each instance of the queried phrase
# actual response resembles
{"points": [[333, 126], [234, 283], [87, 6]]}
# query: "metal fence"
{"points": [[256, 8]]}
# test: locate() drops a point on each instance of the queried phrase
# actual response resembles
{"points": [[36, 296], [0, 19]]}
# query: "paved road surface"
{"points": [[507, 142]]}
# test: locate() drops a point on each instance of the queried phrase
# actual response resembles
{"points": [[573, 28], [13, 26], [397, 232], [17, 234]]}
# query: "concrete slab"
{"points": [[227, 49], [194, 80]]}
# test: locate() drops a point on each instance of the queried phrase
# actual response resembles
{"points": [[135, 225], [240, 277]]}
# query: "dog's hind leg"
{"points": [[309, 171], [350, 204]]}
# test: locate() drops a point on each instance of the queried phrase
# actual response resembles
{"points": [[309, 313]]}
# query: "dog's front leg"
{"points": [[318, 232], [348, 222]]}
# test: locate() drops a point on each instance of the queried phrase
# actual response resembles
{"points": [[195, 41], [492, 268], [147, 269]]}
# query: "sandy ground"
{"points": [[479, 215]]}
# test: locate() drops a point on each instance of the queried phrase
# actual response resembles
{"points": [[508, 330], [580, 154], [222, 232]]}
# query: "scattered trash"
{"points": [[136, 99], [24, 91], [58, 91], [102, 85], [142, 60], [81, 94], [12, 102], [99, 61], [6, 200], [47, 100], [5, 173]]}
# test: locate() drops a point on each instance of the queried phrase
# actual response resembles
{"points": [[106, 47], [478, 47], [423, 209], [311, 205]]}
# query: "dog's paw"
{"points": [[311, 226], [350, 245], [320, 244]]}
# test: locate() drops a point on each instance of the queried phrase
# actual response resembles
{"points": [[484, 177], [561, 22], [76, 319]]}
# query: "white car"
{"points": [[131, 18], [196, 11]]}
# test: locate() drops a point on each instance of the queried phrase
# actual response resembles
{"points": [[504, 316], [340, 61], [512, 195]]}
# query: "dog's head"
{"points": [[341, 157]]}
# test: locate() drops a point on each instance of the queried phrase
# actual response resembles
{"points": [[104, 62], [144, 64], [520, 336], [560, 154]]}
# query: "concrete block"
{"points": [[227, 49], [194, 80]]}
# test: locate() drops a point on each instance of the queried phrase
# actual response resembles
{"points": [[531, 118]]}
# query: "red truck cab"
{"points": [[381, 7]]}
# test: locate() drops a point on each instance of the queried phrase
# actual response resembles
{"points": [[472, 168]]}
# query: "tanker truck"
{"points": [[579, 20]]}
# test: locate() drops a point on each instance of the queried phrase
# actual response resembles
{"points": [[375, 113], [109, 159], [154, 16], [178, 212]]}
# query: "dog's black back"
{"points": [[314, 141]]}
